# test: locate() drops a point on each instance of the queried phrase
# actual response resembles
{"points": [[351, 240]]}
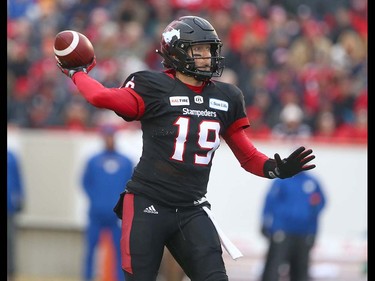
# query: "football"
{"points": [[73, 49]]}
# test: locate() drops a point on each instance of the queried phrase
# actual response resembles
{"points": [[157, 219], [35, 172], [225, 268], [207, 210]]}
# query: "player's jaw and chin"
{"points": [[203, 63]]}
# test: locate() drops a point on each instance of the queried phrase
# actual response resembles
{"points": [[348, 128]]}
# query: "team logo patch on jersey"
{"points": [[219, 104], [178, 100], [198, 99]]}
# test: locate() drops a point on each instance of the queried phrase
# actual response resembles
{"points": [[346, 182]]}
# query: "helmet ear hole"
{"points": [[179, 36]]}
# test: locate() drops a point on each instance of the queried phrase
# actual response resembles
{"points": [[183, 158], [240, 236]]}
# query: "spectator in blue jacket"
{"points": [[290, 221], [15, 202], [104, 178]]}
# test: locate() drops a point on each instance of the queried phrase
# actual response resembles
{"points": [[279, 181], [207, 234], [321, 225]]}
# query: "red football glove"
{"points": [[295, 163], [71, 71]]}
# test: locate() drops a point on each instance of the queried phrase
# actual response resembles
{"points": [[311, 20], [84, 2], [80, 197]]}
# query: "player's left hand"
{"points": [[295, 163], [71, 71]]}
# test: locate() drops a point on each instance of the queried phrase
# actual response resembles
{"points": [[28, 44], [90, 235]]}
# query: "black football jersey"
{"points": [[181, 132]]}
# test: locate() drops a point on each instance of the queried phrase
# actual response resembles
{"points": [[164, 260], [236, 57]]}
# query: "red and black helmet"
{"points": [[183, 33]]}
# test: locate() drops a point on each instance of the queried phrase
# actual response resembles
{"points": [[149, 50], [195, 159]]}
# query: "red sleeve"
{"points": [[239, 124], [249, 157], [124, 101]]}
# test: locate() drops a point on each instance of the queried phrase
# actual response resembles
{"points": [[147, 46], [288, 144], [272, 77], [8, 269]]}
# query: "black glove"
{"points": [[295, 163], [71, 71]]}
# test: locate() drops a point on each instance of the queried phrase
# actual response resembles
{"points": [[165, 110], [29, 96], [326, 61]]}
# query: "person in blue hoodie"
{"points": [[104, 178], [15, 203], [290, 221]]}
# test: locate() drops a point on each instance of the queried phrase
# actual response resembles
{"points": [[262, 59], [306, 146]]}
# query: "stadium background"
{"points": [[311, 52]]}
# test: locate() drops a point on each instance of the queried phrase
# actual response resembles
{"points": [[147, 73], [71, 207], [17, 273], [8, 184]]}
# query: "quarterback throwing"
{"points": [[183, 115]]}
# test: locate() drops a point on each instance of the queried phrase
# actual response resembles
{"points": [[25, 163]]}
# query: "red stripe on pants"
{"points": [[127, 220]]}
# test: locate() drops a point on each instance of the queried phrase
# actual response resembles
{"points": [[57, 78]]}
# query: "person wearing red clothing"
{"points": [[258, 127], [250, 25], [184, 112]]}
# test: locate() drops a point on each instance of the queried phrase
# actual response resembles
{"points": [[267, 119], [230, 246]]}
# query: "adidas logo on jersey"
{"points": [[151, 210]]}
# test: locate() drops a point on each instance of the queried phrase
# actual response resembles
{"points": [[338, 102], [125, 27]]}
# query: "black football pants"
{"points": [[188, 233]]}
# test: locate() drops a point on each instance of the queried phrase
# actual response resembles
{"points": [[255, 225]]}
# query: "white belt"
{"points": [[227, 244]]}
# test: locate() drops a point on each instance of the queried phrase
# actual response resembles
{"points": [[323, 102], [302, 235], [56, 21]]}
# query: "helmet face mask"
{"points": [[177, 43]]}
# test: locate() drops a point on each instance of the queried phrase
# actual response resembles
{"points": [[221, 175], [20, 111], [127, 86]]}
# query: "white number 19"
{"points": [[204, 128]]}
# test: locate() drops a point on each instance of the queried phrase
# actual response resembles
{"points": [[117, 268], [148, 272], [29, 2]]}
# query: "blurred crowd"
{"points": [[302, 65]]}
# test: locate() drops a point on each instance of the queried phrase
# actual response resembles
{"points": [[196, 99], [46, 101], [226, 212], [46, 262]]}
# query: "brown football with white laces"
{"points": [[73, 49]]}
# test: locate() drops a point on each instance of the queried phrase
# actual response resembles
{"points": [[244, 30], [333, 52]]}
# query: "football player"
{"points": [[183, 114]]}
